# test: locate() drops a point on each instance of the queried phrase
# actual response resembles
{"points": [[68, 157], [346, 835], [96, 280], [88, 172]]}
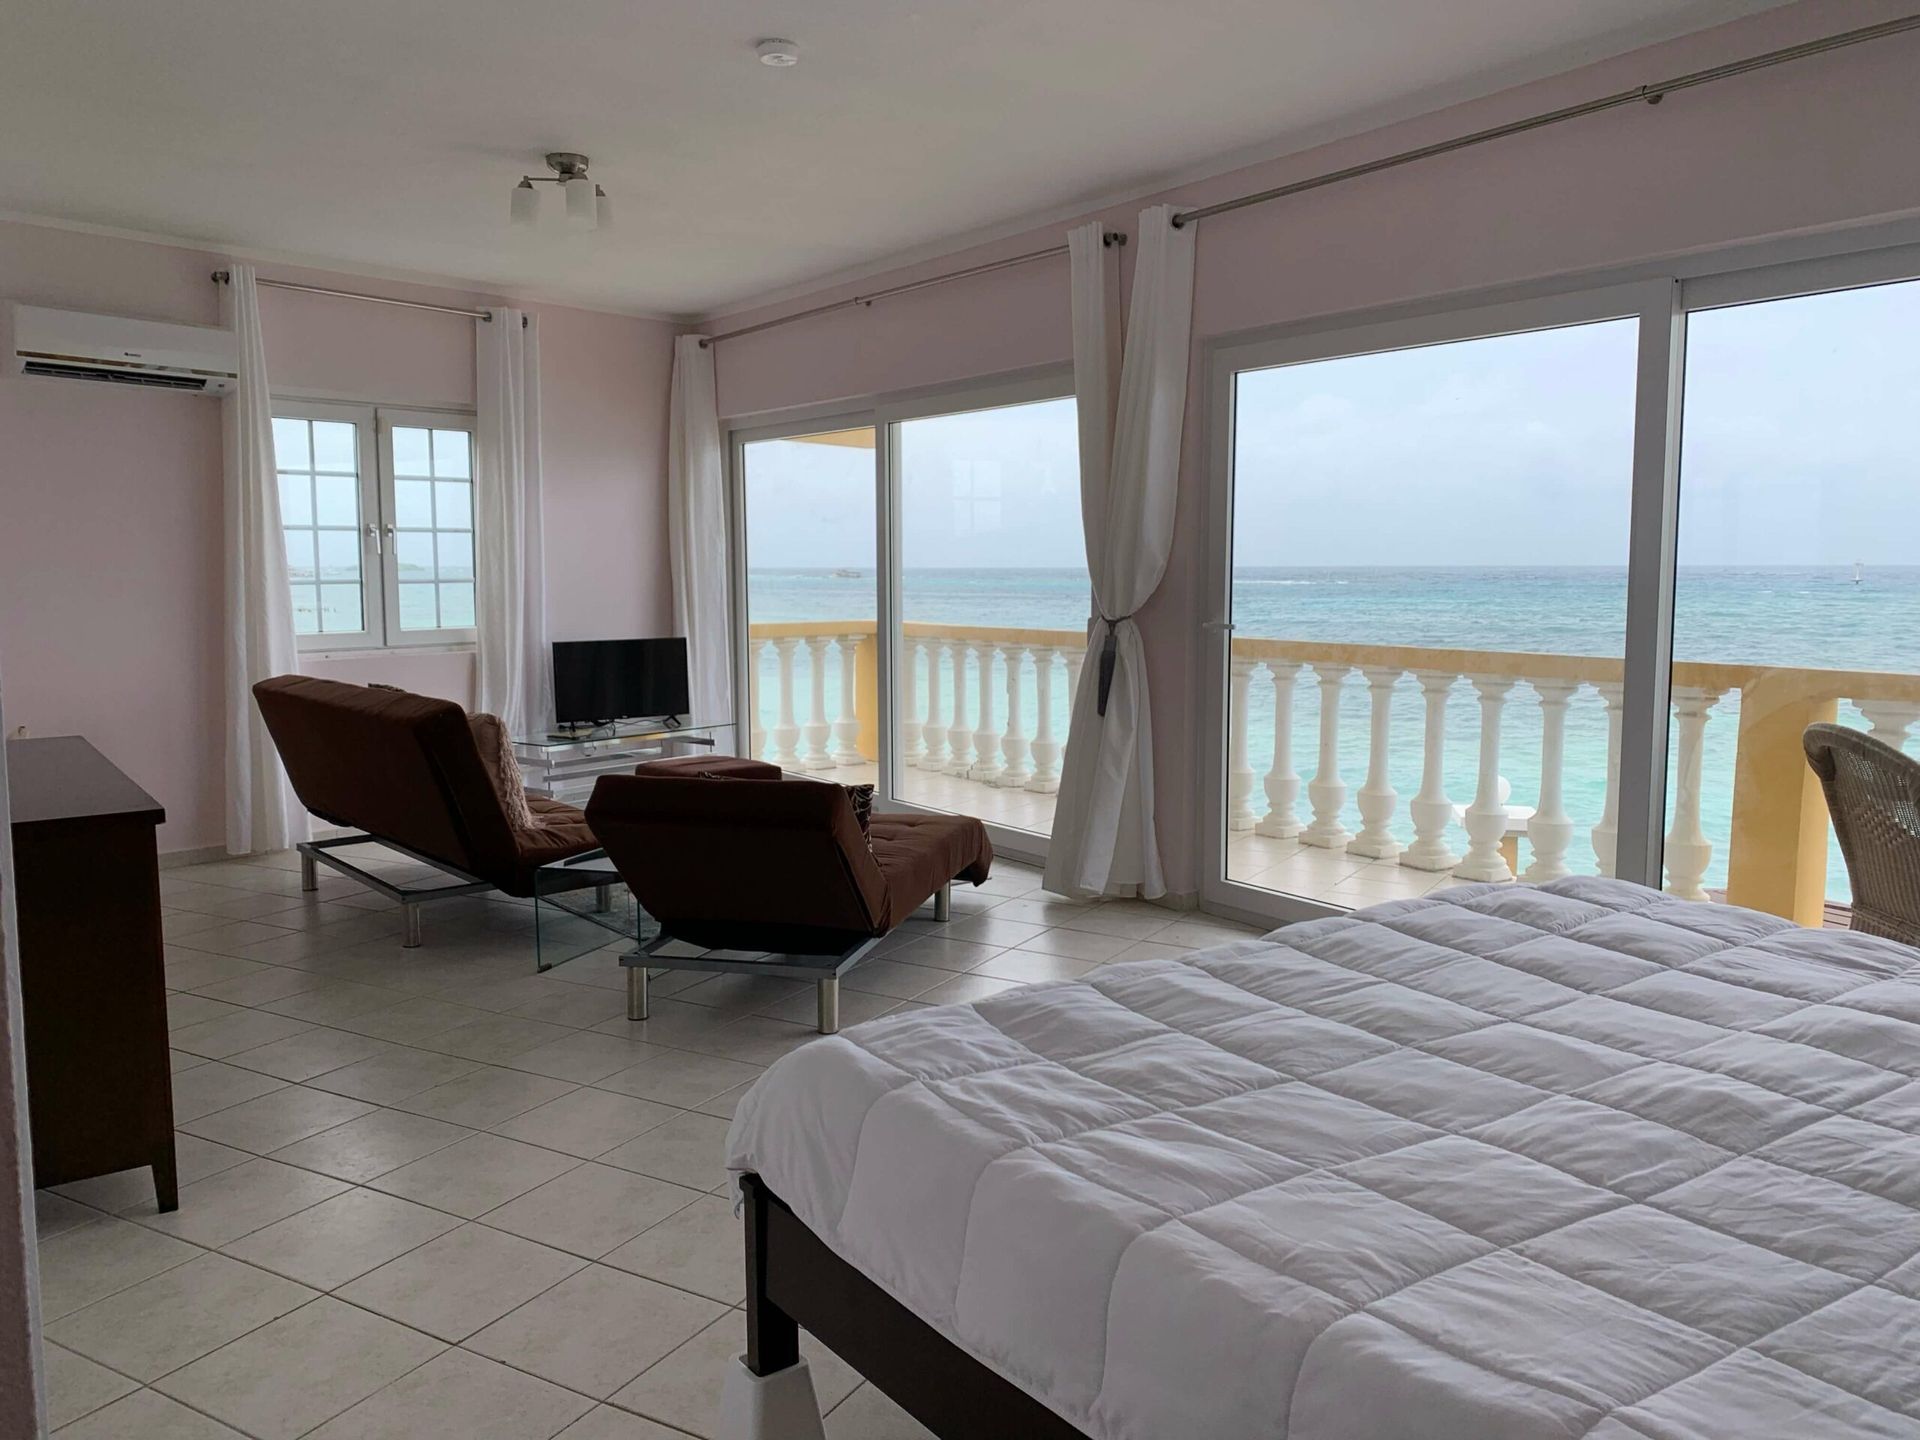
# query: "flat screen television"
{"points": [[596, 681]]}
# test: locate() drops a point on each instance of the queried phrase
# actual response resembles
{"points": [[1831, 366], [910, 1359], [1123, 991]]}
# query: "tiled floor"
{"points": [[430, 1193]]}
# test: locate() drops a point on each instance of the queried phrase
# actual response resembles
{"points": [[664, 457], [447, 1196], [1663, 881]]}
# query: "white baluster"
{"points": [[1606, 835], [959, 737], [1431, 810], [1889, 720], [912, 747], [1075, 659], [1550, 830], [1239, 771], [786, 730], [986, 739], [934, 731], [1326, 790], [1045, 750], [1282, 821], [1016, 754], [756, 731], [1689, 852], [1378, 799], [1487, 817], [813, 734], [846, 725]]}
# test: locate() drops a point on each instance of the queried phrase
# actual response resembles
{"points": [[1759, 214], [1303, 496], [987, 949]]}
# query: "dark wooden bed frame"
{"points": [[795, 1281]]}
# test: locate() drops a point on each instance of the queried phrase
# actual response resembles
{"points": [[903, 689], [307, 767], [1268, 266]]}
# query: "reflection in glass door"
{"points": [[992, 603], [1428, 590], [811, 593], [1797, 597]]}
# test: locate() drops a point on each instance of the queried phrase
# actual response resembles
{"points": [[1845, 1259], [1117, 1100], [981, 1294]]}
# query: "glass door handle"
{"points": [[373, 534]]}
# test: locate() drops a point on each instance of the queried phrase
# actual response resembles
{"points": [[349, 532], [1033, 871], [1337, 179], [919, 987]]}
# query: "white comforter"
{"points": [[1502, 1164]]}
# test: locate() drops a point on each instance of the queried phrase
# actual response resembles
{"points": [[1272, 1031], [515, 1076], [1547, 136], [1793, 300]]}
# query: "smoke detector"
{"points": [[778, 53]]}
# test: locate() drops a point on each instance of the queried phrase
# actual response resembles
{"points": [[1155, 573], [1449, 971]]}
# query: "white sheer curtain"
{"points": [[1103, 833], [515, 675], [697, 531], [261, 811]]}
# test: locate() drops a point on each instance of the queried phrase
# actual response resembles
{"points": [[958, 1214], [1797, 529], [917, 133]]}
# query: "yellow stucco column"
{"points": [[866, 696], [1777, 857]]}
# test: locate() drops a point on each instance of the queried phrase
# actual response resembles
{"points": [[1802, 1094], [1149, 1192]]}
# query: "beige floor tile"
{"points": [[342, 1239], [235, 1202], [54, 1212], [682, 1078], [993, 931], [78, 1386], [276, 1120], [216, 1085], [461, 1282], [496, 1039], [1029, 968], [897, 978], [856, 1006], [288, 1377], [1204, 930], [579, 1006], [727, 1101], [458, 1394], [584, 1057], [1076, 944], [689, 1150], [486, 1097], [191, 969], [868, 1414], [145, 1415], [301, 1057], [230, 937], [362, 1149], [260, 985], [412, 1021], [591, 1210], [672, 1023], [965, 989], [230, 1034], [179, 1315], [698, 1249], [1150, 950], [131, 1192], [185, 1011], [586, 1123], [1123, 921], [596, 1330], [394, 1074], [941, 952], [475, 1175], [93, 1261], [603, 1422], [755, 1040]]}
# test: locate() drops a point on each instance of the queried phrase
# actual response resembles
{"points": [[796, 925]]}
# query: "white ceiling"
{"points": [[384, 135]]}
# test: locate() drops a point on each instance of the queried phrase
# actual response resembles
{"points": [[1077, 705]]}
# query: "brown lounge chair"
{"points": [[1873, 795], [778, 868], [405, 770]]}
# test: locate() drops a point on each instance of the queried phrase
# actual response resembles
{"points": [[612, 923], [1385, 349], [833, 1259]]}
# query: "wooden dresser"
{"points": [[93, 986]]}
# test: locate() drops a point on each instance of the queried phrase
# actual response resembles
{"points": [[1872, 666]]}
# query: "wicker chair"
{"points": [[1873, 794]]}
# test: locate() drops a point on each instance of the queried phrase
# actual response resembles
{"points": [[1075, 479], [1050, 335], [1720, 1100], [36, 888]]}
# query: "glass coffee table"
{"points": [[582, 905]]}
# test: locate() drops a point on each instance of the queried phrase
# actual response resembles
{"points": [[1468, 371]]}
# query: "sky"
{"points": [[1801, 446]]}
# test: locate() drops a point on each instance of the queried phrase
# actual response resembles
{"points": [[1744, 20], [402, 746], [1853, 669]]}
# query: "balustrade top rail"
{"points": [[1514, 664]]}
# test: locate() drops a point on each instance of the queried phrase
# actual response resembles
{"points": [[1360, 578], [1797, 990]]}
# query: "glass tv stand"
{"points": [[564, 764]]}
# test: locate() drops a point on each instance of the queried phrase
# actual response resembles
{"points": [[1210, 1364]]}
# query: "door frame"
{"points": [[1647, 637]]}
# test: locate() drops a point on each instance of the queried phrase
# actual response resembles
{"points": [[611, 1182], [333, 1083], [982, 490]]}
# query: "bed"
{"points": [[1504, 1163]]}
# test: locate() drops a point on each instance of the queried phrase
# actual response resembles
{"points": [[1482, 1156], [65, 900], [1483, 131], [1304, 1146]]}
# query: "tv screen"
{"points": [[600, 680]]}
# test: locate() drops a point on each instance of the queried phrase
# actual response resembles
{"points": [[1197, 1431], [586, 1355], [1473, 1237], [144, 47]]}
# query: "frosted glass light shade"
{"points": [[580, 206], [526, 204], [602, 209]]}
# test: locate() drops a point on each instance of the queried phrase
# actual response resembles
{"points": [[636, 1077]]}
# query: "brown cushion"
{"points": [[502, 767], [920, 853], [738, 767]]}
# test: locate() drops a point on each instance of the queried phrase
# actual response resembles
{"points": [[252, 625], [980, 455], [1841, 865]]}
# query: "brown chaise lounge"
{"points": [[767, 865], [405, 770]]}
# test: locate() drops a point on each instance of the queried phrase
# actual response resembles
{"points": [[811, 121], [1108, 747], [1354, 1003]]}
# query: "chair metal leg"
{"points": [[943, 903], [309, 873], [602, 899], [636, 992], [410, 912], [829, 989]]}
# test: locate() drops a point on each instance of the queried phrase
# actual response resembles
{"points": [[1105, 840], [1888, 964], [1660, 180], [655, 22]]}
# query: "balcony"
{"points": [[984, 715]]}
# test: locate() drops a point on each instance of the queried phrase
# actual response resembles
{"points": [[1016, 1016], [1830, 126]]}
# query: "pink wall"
{"points": [[110, 499], [1822, 142]]}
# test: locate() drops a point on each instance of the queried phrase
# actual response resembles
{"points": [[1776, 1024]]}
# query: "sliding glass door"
{"points": [[912, 594]]}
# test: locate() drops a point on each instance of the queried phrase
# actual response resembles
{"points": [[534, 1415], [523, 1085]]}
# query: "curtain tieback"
{"points": [[1107, 651]]}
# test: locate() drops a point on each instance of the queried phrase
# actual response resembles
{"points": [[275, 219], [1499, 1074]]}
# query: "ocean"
{"points": [[1825, 618]]}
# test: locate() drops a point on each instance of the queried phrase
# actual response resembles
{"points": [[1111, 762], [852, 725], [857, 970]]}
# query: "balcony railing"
{"points": [[989, 705]]}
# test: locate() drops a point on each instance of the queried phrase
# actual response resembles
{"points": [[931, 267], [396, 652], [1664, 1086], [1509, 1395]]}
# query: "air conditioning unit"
{"points": [[72, 345]]}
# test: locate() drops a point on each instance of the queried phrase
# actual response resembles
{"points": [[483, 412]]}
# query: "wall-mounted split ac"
{"points": [[70, 344]]}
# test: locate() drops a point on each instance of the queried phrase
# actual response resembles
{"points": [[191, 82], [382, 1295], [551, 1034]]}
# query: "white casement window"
{"points": [[377, 508]]}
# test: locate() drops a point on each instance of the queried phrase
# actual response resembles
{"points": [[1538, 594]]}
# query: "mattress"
{"points": [[1504, 1163]]}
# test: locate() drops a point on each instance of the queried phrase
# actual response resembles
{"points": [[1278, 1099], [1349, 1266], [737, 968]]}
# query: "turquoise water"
{"points": [[1788, 616]]}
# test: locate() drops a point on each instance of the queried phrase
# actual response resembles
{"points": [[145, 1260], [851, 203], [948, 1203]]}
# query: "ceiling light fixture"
{"points": [[778, 53], [587, 206]]}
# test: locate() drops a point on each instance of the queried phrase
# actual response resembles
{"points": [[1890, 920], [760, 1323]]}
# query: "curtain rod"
{"points": [[222, 277], [1111, 237], [1649, 94]]}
